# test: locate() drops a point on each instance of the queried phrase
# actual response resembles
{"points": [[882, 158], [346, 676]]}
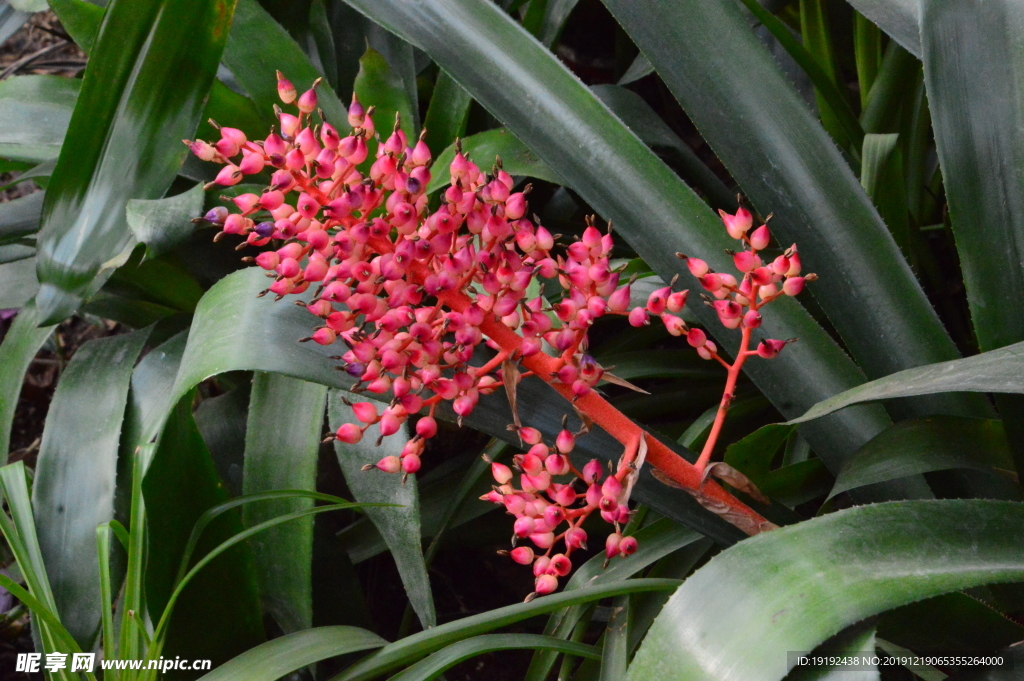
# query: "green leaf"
{"points": [[35, 111], [640, 68], [955, 621], [502, 67], [974, 70], [398, 54], [819, 67], [218, 615], [764, 595], [162, 224], [20, 217], [437, 663], [20, 345], [400, 527], [995, 371], [44, 169], [483, 148], [257, 46], [411, 648], [124, 138], [867, 46], [18, 283], [615, 651], [881, 175], [20, 532], [286, 419], [76, 473], [817, 40], [271, 660], [377, 84], [555, 16], [926, 445], [447, 114], [787, 165], [898, 18], [642, 119]]}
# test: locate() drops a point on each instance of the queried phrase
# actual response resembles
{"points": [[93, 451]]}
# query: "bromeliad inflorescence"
{"points": [[413, 293]]}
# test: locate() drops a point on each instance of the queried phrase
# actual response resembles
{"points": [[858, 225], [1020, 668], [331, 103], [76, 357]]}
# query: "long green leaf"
{"points": [[412, 648], [974, 71], [400, 527], [995, 371], [162, 224], [645, 122], [35, 111], [447, 114], [76, 473], [765, 595], [124, 138], [20, 345], [18, 283], [503, 67], [286, 419], [219, 615], [378, 83], [926, 445], [787, 165], [274, 659], [881, 175], [20, 217], [434, 665], [898, 18]]}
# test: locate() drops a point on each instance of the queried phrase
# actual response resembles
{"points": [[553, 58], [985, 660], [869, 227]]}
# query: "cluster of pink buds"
{"points": [[552, 492], [407, 290], [412, 293]]}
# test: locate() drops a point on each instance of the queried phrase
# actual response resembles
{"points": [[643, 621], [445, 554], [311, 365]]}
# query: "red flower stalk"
{"points": [[412, 293]]}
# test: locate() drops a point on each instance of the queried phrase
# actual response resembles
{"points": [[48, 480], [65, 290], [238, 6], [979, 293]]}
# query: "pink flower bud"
{"points": [[627, 546], [611, 545], [746, 261], [307, 102], [592, 472], [696, 338], [565, 441], [530, 436], [708, 350], [677, 301], [576, 538], [752, 319], [324, 336], [657, 299], [618, 302], [500, 472], [638, 317], [674, 325], [762, 276], [545, 584], [389, 424], [522, 555], [540, 566], [523, 527], [532, 462], [410, 464], [793, 286], [229, 175], [698, 267], [543, 540], [285, 89], [556, 464], [350, 433], [738, 224], [560, 564], [760, 237], [769, 348], [711, 282], [565, 495], [390, 464], [611, 487], [365, 412]]}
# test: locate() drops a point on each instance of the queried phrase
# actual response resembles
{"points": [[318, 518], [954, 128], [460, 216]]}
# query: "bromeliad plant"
{"points": [[413, 292]]}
